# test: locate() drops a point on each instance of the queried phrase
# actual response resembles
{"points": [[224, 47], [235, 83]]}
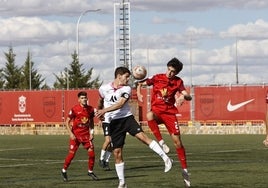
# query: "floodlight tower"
{"points": [[122, 51]]}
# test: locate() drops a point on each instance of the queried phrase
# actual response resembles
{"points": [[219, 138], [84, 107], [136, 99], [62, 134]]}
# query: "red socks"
{"points": [[91, 160], [182, 157], [155, 129]]}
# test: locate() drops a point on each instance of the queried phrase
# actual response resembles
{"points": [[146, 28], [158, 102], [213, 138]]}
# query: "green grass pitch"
{"points": [[215, 161]]}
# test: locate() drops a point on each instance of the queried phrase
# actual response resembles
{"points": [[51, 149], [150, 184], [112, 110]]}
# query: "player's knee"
{"points": [[91, 153], [118, 154], [178, 144], [71, 154]]}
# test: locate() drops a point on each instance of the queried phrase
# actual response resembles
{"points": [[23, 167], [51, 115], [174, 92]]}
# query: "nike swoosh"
{"points": [[231, 107]]}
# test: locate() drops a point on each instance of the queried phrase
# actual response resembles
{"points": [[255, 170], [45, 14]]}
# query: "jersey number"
{"points": [[113, 98]]}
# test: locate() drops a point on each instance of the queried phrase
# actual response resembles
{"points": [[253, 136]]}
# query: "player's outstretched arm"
{"points": [[139, 95], [139, 86], [113, 107], [183, 96], [187, 96]]}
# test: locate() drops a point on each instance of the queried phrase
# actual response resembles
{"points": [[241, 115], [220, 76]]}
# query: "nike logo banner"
{"points": [[233, 107]]}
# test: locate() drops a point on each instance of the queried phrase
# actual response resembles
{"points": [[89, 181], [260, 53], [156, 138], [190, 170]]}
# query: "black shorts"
{"points": [[106, 128], [119, 128]]}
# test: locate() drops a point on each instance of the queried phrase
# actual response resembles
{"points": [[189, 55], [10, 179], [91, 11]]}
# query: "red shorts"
{"points": [[84, 140], [169, 119]]}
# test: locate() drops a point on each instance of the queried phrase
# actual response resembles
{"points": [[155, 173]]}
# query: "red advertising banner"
{"points": [[209, 103], [230, 103], [17, 107]]}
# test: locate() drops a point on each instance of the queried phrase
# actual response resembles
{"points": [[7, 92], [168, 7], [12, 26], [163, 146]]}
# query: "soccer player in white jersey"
{"points": [[117, 94]]}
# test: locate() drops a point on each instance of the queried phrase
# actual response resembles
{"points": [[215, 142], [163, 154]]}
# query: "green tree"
{"points": [[11, 72], [62, 80], [30, 74], [2, 81], [76, 76], [45, 86]]}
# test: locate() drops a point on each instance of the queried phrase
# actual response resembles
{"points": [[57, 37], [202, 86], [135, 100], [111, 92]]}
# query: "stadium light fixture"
{"points": [[77, 28]]}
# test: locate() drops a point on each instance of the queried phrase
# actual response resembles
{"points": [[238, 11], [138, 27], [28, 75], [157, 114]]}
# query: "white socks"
{"points": [[157, 149], [102, 155], [120, 170]]}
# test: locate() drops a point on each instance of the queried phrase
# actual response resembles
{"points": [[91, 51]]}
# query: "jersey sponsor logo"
{"points": [[84, 120], [233, 107], [164, 92]]}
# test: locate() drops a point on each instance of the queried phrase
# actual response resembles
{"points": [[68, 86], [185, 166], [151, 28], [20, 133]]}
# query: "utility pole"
{"points": [[236, 61]]}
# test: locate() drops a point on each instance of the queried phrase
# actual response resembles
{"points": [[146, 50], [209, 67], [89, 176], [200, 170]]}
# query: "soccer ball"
{"points": [[139, 72]]}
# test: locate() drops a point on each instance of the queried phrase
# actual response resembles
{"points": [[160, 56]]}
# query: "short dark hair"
{"points": [[82, 93], [121, 71], [176, 64]]}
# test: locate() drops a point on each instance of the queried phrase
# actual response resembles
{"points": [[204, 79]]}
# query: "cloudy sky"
{"points": [[211, 37]]}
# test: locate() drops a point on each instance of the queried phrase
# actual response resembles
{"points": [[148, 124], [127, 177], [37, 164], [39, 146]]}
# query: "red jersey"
{"points": [[164, 91], [81, 117]]}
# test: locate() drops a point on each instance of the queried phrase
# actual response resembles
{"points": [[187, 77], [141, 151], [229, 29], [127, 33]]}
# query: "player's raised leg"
{"points": [[153, 125], [156, 148]]}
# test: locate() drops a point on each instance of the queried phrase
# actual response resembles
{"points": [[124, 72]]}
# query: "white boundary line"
{"points": [[11, 149], [129, 159]]}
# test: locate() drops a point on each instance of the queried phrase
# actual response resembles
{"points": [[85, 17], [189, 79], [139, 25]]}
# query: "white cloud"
{"points": [[256, 30], [44, 8], [197, 5], [36, 30], [220, 56]]}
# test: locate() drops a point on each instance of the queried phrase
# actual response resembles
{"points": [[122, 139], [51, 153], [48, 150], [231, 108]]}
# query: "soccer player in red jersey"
{"points": [[81, 131], [265, 142], [163, 109]]}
